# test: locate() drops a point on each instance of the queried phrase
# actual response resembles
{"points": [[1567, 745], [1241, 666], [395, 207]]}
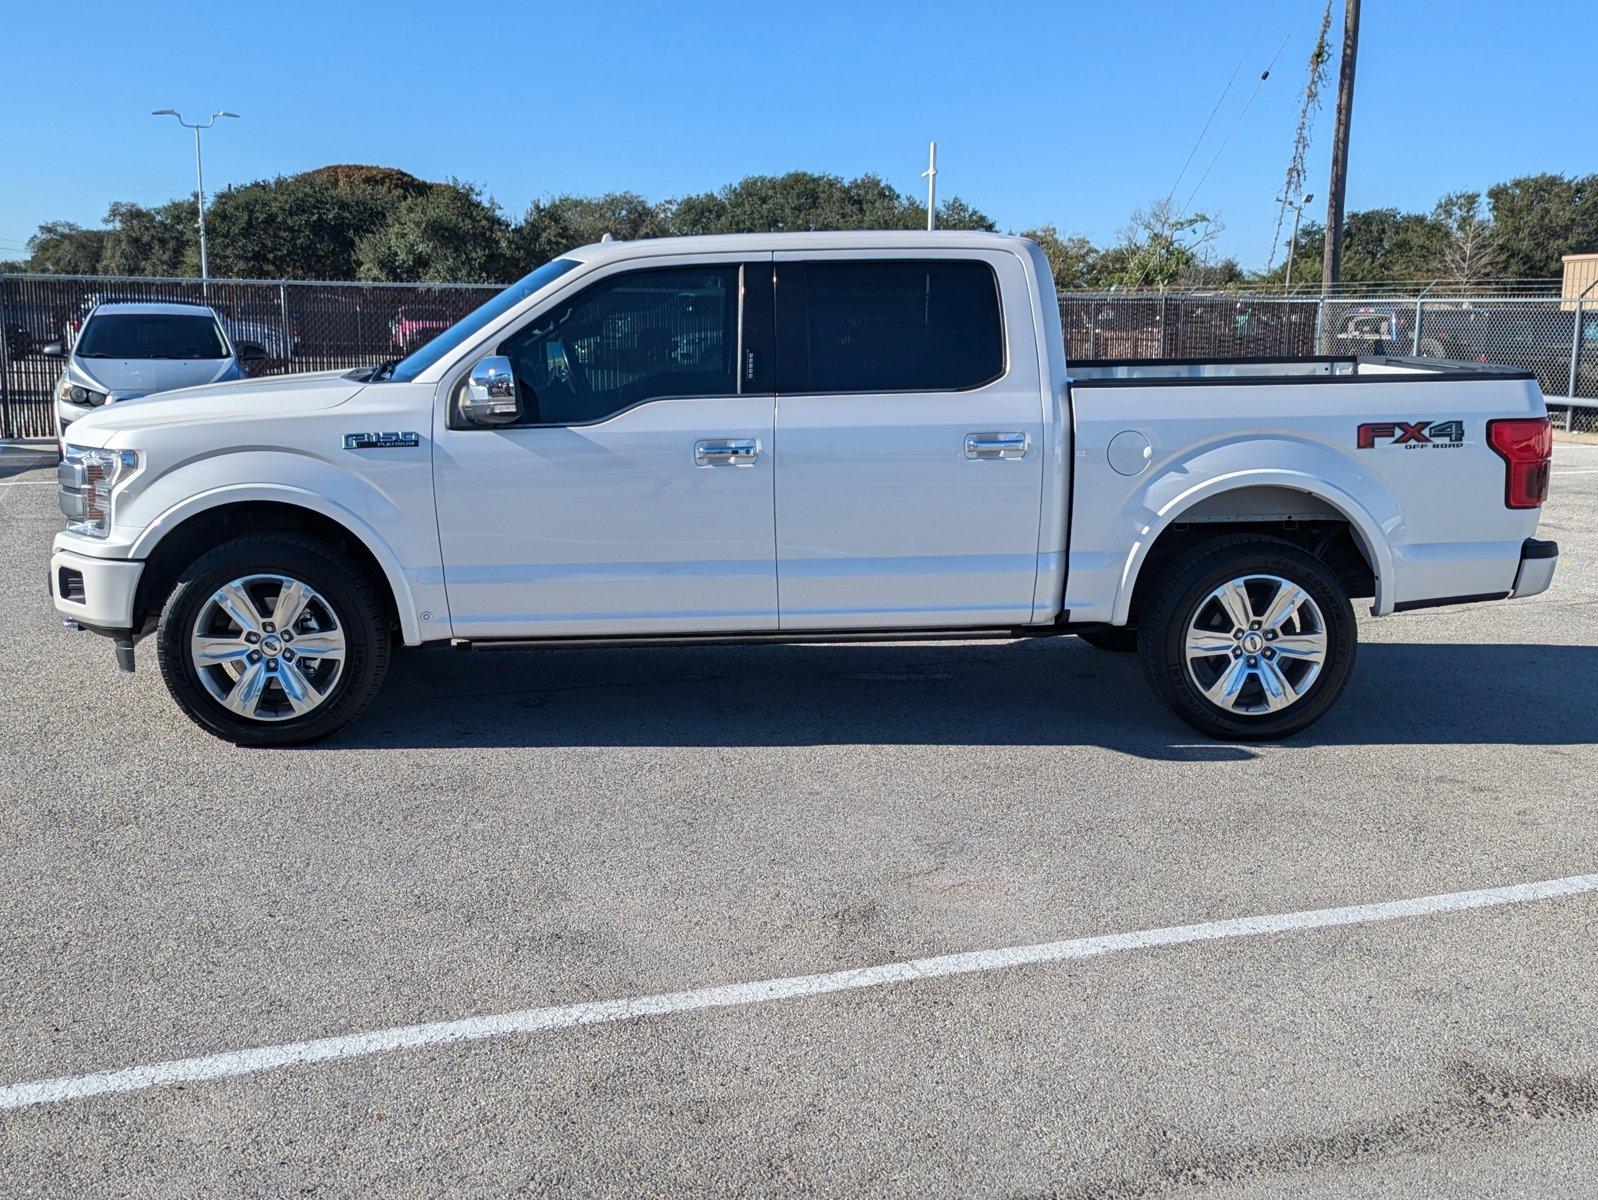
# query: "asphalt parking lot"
{"points": [[520, 831]]}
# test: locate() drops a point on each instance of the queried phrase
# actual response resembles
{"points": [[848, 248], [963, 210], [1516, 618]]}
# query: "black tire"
{"points": [[1177, 598], [340, 583], [1117, 639]]}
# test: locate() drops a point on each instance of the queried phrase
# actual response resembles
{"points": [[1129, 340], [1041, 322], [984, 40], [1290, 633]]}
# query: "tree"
{"points": [[955, 213], [552, 227], [1385, 244], [1307, 256], [151, 241], [446, 234], [1539, 218], [803, 201], [384, 179], [1161, 244], [1469, 253], [1074, 260], [294, 227], [65, 248]]}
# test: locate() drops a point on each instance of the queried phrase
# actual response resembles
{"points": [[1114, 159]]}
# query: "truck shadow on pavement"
{"points": [[1048, 692]]}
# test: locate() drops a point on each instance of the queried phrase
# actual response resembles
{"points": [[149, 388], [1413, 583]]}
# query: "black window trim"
{"points": [[456, 424], [798, 319]]}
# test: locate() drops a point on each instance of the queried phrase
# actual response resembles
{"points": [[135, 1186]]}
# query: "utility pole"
{"points": [[1332, 264], [931, 176]]}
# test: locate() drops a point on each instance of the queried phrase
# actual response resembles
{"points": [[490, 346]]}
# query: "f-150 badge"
{"points": [[381, 441], [1411, 434]]}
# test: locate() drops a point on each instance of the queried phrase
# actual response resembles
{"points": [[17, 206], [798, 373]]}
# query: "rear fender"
{"points": [[1300, 466]]}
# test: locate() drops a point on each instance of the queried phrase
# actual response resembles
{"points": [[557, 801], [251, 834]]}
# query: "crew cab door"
{"points": [[910, 420], [634, 493]]}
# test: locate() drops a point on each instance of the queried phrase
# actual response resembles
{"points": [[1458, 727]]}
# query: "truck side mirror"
{"points": [[491, 393]]}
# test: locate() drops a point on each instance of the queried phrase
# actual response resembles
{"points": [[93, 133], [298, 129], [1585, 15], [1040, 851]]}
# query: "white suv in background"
{"points": [[128, 349]]}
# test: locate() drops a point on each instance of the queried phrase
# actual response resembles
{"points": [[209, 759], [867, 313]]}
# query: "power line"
{"points": [[1225, 91], [1264, 75]]}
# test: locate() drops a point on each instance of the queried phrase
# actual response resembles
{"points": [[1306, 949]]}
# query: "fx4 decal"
{"points": [[381, 441], [1439, 435]]}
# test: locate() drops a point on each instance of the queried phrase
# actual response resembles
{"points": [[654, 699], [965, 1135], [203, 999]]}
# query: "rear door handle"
{"points": [[996, 445], [726, 452]]}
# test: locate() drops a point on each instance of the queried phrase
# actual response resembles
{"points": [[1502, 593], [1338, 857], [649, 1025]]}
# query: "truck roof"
{"points": [[861, 239]]}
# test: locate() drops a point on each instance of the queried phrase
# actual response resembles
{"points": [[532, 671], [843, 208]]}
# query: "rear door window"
{"points": [[889, 325]]}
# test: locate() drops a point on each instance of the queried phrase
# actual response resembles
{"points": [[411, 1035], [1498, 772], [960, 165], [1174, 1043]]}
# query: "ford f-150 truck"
{"points": [[796, 437]]}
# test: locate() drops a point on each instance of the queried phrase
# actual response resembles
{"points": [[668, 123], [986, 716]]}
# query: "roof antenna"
{"points": [[608, 238]]}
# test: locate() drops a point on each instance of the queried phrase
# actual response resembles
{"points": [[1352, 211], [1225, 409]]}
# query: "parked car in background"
{"points": [[261, 325], [28, 326], [126, 350], [19, 340], [71, 321], [415, 325]]}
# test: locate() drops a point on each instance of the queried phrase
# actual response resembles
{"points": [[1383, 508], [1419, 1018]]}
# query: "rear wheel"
{"points": [[1248, 638], [273, 640]]}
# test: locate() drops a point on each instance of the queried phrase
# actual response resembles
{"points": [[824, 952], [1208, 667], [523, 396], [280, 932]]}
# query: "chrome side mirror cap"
{"points": [[491, 393]]}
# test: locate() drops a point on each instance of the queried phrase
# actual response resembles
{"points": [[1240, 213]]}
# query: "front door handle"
{"points": [[996, 445], [726, 452]]}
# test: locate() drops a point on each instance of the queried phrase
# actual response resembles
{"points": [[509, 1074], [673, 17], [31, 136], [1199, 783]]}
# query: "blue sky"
{"points": [[1070, 113]]}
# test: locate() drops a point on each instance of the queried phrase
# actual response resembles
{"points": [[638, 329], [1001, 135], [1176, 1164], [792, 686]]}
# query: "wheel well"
{"points": [[199, 533], [1330, 539]]}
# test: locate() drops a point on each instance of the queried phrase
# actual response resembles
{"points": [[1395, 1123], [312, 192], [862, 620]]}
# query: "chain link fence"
{"points": [[300, 326], [1554, 338], [320, 326]]}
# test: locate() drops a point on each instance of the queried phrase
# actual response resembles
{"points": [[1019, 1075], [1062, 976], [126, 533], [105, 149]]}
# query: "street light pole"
{"points": [[199, 177], [1292, 242]]}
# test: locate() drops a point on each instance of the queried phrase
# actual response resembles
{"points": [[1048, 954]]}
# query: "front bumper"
{"points": [[1537, 562], [95, 592]]}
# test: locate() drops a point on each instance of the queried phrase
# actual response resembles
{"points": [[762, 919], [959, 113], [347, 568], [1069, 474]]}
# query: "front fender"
{"points": [[1301, 466], [391, 516]]}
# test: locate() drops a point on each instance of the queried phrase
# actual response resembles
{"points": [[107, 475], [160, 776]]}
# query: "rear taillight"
{"points": [[1526, 444]]}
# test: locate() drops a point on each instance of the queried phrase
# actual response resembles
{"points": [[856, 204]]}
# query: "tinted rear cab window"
{"points": [[891, 325], [151, 335]]}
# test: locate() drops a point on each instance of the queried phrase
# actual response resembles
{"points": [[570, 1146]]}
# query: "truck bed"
{"points": [[1396, 447]]}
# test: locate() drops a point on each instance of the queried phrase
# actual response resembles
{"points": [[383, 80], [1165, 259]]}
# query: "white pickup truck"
{"points": [[796, 437]]}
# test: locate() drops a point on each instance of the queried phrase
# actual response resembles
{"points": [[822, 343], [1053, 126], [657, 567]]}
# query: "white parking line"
{"points": [[566, 1016], [30, 483], [1583, 471]]}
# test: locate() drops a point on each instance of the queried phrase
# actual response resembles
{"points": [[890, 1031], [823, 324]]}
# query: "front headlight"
{"points": [[88, 477], [74, 393]]}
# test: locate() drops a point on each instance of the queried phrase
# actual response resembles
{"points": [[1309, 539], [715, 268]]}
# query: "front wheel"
{"points": [[1248, 638], [273, 640]]}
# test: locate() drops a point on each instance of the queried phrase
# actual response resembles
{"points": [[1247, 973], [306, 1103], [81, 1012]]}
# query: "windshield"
{"points": [[151, 335], [474, 322]]}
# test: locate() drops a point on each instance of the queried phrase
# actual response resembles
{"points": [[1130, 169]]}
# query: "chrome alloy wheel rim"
{"points": [[1255, 645], [268, 648]]}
